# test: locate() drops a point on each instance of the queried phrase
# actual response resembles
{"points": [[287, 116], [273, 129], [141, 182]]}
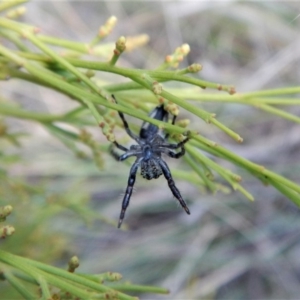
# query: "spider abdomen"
{"points": [[150, 169]]}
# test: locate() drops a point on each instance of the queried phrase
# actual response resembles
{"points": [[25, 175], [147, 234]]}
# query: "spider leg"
{"points": [[167, 173], [173, 122], [165, 148], [173, 154], [131, 180], [126, 126], [120, 146], [114, 153], [128, 154], [175, 146], [121, 157]]}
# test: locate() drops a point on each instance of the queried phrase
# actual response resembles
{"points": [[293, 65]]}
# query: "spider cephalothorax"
{"points": [[151, 144]]}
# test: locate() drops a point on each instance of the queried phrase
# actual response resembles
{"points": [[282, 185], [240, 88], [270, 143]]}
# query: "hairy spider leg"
{"points": [[174, 146], [173, 122], [120, 146], [112, 151], [121, 157], [129, 154], [126, 126], [167, 173], [172, 154], [131, 180], [114, 154]]}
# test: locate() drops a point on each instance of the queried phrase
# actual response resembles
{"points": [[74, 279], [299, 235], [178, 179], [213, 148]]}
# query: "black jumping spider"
{"points": [[151, 144]]}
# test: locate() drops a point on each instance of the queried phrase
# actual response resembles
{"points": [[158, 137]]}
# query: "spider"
{"points": [[151, 145]]}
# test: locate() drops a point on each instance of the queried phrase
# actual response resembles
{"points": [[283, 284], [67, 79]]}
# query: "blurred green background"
{"points": [[228, 248]]}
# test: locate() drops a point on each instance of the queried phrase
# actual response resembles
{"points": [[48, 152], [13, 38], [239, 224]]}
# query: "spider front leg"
{"points": [[173, 122], [120, 146], [167, 173], [112, 151], [173, 154], [165, 148], [175, 146], [126, 126], [126, 199]]}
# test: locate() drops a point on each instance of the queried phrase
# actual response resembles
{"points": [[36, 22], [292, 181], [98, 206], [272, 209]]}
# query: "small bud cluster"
{"points": [[73, 264], [4, 212], [120, 45], [183, 123], [133, 42], [119, 49], [169, 106], [6, 230], [103, 31], [106, 29], [156, 88], [90, 73], [108, 125], [180, 52], [112, 276], [88, 140], [194, 68], [107, 131], [172, 108], [231, 89], [16, 13]]}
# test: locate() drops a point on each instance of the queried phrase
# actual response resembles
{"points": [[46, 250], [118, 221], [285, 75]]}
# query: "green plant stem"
{"points": [[253, 98], [161, 75], [100, 278], [259, 170], [30, 270], [4, 5], [226, 174], [61, 61], [207, 117], [227, 130], [52, 274], [79, 93], [208, 182], [11, 111], [114, 58], [238, 98], [16, 26], [133, 90], [139, 288], [286, 191], [88, 93], [44, 287], [75, 46], [188, 176], [278, 112], [13, 37], [274, 92], [18, 285]]}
